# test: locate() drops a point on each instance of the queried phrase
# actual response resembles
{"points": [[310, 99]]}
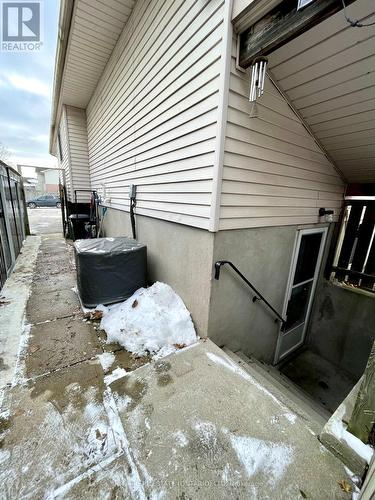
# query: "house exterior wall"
{"points": [[153, 118], [51, 176], [184, 257], [75, 161], [342, 326], [63, 156], [77, 130], [264, 256], [51, 188], [51, 181], [156, 119], [177, 254], [274, 172]]}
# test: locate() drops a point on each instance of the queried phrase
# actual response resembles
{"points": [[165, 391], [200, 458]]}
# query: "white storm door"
{"points": [[307, 258]]}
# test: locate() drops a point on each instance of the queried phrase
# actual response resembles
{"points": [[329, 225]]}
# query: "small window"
{"points": [[60, 153]]}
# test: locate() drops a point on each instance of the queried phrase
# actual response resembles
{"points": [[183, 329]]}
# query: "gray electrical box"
{"points": [[109, 270], [132, 191]]}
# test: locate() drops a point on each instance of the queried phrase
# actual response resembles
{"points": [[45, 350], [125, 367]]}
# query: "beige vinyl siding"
{"points": [[73, 134], [77, 129], [152, 120], [274, 172], [64, 153]]}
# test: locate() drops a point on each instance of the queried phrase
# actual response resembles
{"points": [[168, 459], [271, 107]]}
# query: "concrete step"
{"points": [[274, 375], [284, 389]]}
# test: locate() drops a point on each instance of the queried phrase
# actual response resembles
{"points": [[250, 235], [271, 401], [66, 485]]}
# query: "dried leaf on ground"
{"points": [[179, 346], [95, 315], [345, 486], [135, 303]]}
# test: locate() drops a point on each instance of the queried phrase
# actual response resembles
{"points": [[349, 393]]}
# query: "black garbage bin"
{"points": [[78, 226]]}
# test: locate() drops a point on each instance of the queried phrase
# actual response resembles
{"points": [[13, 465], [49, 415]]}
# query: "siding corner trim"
{"points": [[222, 113]]}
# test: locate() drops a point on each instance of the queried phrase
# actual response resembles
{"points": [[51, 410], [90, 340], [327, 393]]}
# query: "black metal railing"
{"points": [[257, 296]]}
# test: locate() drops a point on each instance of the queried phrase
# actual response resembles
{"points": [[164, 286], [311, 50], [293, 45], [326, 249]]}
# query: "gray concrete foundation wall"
{"points": [[184, 257], [177, 254], [342, 326], [264, 256]]}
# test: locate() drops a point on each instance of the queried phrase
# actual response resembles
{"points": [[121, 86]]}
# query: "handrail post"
{"points": [[218, 265]]}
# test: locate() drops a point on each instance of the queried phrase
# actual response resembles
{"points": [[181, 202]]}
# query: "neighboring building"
{"points": [[150, 93], [29, 185], [48, 180], [43, 181]]}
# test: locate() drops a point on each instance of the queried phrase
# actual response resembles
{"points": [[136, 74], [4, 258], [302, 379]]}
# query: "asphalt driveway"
{"points": [[45, 220]]}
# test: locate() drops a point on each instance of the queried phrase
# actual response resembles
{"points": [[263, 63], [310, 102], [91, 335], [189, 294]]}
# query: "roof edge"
{"points": [[65, 21]]}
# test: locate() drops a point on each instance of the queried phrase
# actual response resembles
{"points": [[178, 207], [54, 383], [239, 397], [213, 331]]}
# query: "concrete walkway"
{"points": [[193, 425]]}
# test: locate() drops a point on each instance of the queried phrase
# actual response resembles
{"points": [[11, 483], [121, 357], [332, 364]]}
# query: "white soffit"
{"points": [[328, 73], [96, 27]]}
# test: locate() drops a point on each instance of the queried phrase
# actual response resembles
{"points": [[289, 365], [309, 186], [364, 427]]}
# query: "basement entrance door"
{"points": [[307, 257]]}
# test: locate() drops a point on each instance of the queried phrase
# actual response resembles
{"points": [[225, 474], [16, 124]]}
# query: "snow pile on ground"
{"points": [[106, 360], [267, 457], [152, 321], [336, 426]]}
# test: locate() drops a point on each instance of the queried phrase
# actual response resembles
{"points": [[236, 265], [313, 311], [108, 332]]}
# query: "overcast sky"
{"points": [[25, 97]]}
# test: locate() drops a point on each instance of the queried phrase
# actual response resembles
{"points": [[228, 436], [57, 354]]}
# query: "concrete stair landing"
{"points": [[283, 389]]}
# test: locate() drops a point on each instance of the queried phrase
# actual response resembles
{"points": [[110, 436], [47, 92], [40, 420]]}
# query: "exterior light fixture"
{"points": [[327, 214], [258, 76]]}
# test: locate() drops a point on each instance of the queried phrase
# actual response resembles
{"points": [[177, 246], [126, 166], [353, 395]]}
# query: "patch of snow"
{"points": [[133, 478], [225, 476], [106, 360], [291, 417], [122, 402], [19, 369], [355, 479], [152, 321], [336, 426], [207, 434], [115, 375], [4, 456], [262, 457], [181, 439], [99, 307], [78, 431]]}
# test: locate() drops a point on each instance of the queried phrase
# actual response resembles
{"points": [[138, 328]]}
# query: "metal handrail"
{"points": [[257, 296]]}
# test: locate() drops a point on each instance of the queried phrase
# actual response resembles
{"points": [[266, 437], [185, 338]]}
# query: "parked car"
{"points": [[47, 200]]}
